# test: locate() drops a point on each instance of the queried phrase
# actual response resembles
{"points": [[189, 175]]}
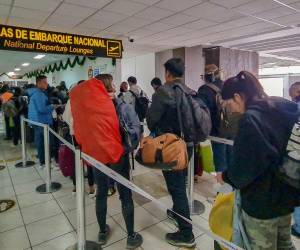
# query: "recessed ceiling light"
{"points": [[11, 73], [17, 69], [25, 64], [39, 56]]}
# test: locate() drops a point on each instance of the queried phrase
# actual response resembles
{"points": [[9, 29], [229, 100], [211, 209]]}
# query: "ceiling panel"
{"points": [[90, 3], [230, 3], [140, 33], [84, 31], [108, 16], [257, 6], [128, 25], [29, 14], [125, 6], [106, 34], [158, 26], [94, 24], [178, 19], [178, 5], [22, 22], [7, 2], [74, 10], [154, 13], [63, 21], [48, 5], [275, 13], [200, 24], [288, 20], [147, 2], [4, 10], [212, 12]]}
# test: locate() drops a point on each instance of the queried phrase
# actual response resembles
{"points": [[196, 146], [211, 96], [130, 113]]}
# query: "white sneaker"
{"points": [[41, 166], [92, 195]]}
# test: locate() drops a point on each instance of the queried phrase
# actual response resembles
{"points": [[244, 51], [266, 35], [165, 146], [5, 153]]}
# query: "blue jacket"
{"points": [[40, 109]]}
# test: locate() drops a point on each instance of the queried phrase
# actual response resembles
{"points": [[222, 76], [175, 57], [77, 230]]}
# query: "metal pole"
{"points": [[82, 243], [49, 186], [24, 162], [196, 207]]}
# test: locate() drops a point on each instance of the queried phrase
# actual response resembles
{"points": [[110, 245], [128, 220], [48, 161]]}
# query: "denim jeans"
{"points": [[296, 226], [175, 181], [39, 143], [222, 156], [102, 181]]}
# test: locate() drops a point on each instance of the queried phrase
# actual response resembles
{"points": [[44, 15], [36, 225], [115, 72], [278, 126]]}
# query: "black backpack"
{"points": [[193, 114], [141, 105]]}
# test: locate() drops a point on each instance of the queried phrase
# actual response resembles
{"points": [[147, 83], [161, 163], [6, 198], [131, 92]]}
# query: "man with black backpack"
{"points": [[162, 117]]}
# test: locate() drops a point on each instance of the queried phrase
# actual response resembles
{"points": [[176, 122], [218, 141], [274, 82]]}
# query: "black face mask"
{"points": [[210, 78]]}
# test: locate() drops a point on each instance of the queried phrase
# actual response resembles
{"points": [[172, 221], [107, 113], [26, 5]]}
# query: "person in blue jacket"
{"points": [[40, 110]]}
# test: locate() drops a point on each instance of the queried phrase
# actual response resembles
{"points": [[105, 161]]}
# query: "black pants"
{"points": [[16, 132], [7, 127], [175, 181], [90, 176], [123, 168]]}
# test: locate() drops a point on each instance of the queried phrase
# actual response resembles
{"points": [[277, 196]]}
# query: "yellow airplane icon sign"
{"points": [[114, 48]]}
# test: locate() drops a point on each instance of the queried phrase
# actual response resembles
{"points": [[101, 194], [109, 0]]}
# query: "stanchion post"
{"points": [[49, 186], [82, 243], [196, 207], [24, 162]]}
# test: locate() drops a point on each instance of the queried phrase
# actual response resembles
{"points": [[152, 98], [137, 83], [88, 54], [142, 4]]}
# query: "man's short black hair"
{"points": [[175, 66], [132, 79], [156, 81], [39, 78]]}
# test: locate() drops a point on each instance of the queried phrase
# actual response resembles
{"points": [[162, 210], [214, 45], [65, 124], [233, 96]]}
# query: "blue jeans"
{"points": [[296, 226], [222, 156], [39, 143]]}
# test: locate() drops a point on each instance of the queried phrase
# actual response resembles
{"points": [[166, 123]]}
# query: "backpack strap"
{"points": [[214, 87], [178, 92]]}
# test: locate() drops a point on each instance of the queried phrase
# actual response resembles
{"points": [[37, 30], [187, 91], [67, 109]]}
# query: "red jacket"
{"points": [[96, 125]]}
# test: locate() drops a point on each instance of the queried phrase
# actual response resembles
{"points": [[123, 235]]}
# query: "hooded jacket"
{"points": [[259, 148], [40, 109]]}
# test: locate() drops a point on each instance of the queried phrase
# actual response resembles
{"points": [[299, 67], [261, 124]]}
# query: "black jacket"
{"points": [[258, 151], [162, 114]]}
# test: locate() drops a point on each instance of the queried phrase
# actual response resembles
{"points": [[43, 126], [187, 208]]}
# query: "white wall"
{"points": [[73, 75], [160, 59], [143, 68]]}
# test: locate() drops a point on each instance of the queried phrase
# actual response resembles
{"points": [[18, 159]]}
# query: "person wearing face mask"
{"points": [[259, 147], [134, 240]]}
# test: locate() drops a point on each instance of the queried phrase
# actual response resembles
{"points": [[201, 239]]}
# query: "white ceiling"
{"points": [[259, 25]]}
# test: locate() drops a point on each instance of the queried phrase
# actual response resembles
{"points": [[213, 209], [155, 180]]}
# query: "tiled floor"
{"points": [[48, 221]]}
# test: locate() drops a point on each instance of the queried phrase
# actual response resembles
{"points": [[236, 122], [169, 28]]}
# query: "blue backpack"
{"points": [[129, 125]]}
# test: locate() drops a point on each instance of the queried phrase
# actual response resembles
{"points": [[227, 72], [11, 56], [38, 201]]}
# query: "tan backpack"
{"points": [[166, 152]]}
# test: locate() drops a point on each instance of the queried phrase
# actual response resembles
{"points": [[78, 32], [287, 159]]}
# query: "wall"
{"points": [[73, 75], [142, 67], [160, 59]]}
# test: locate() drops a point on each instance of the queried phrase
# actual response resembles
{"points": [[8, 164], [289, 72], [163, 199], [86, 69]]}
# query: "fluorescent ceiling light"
{"points": [[17, 69], [11, 73], [25, 64], [39, 56]]}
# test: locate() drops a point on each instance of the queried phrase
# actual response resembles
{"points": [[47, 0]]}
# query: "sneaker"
{"points": [[103, 236], [92, 194], [172, 218], [179, 240], [134, 241], [41, 166], [295, 233], [111, 191], [74, 191]]}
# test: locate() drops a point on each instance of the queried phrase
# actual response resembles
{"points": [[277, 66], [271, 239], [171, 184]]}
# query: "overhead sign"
{"points": [[33, 40]]}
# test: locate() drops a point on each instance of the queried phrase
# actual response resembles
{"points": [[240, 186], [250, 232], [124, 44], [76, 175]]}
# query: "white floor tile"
{"points": [[6, 192], [114, 205], [205, 243], [117, 233], [200, 222], [5, 181], [154, 237], [90, 214], [25, 178], [40, 211], [30, 199], [65, 190], [156, 211], [68, 203], [28, 187], [15, 239], [48, 229], [60, 243], [120, 245], [142, 219], [10, 220]]}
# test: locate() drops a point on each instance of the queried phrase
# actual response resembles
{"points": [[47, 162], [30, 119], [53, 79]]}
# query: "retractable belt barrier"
{"points": [[82, 243]]}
